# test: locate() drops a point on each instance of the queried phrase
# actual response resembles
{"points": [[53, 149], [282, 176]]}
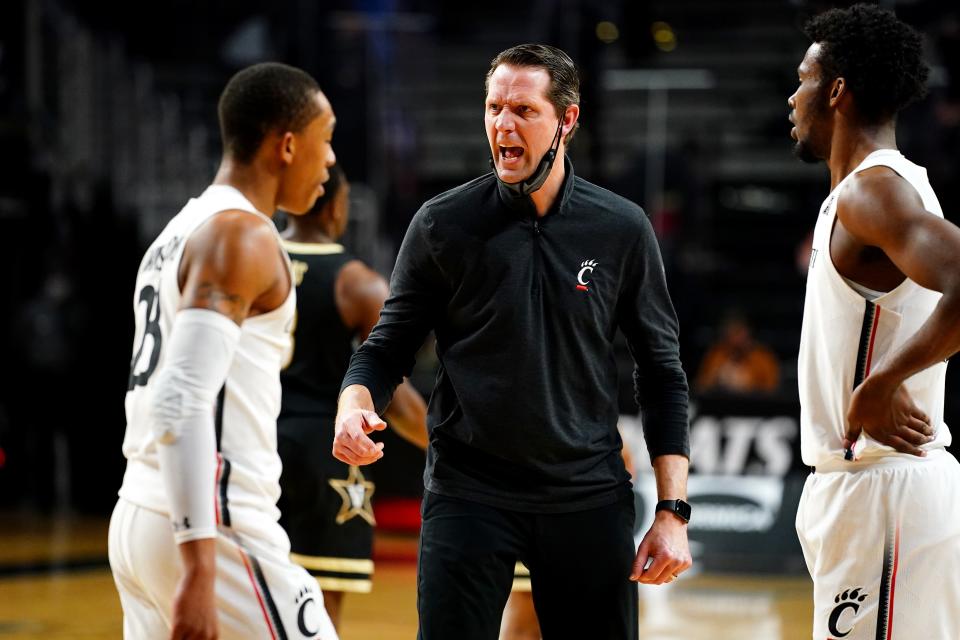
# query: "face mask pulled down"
{"points": [[539, 176]]}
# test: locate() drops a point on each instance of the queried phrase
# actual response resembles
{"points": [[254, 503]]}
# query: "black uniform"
{"points": [[324, 503], [525, 458]]}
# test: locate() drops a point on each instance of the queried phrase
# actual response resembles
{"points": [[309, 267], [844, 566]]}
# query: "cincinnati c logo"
{"points": [[586, 268], [305, 598], [847, 600]]}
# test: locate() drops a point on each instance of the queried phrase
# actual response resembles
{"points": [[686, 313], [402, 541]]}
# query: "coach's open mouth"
{"points": [[511, 153]]}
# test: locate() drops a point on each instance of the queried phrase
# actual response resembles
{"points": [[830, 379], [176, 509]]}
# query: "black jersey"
{"points": [[322, 345]]}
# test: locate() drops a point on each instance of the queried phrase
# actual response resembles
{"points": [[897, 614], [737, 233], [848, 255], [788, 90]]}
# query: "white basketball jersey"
{"points": [[248, 474], [845, 336]]}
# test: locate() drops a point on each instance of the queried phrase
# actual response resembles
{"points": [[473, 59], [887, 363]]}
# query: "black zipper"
{"points": [[536, 257]]}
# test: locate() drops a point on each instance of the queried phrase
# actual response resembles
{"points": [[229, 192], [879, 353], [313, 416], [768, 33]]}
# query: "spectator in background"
{"points": [[737, 363]]}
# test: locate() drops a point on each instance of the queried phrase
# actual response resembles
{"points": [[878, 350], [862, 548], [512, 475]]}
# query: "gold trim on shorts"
{"points": [[339, 565], [344, 584]]}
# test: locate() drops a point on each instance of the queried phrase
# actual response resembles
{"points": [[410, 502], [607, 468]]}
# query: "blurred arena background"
{"points": [[108, 125]]}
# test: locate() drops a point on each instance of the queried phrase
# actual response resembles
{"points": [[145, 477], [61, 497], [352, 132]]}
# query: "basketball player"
{"points": [[325, 503], [195, 547], [525, 274], [878, 519]]}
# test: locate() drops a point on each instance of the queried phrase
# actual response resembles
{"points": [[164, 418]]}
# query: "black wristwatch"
{"points": [[679, 508]]}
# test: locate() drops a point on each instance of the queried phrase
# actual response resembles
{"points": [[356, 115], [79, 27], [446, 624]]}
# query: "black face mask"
{"points": [[539, 176]]}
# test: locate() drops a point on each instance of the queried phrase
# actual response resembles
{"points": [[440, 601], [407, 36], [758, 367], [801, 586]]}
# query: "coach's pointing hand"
{"points": [[351, 443], [356, 419]]}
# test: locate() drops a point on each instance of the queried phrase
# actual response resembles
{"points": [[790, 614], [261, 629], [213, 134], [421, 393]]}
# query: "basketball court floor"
{"points": [[55, 584]]}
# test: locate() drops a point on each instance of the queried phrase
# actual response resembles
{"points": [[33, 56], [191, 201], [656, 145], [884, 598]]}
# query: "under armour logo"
{"points": [[182, 526]]}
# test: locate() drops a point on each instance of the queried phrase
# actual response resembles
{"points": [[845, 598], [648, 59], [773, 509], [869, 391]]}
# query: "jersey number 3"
{"points": [[150, 296]]}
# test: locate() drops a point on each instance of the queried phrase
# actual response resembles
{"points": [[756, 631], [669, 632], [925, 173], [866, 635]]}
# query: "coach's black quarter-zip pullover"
{"points": [[525, 309]]}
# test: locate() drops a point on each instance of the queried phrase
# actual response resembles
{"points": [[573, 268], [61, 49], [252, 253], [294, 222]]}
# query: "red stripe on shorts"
{"points": [[256, 592]]}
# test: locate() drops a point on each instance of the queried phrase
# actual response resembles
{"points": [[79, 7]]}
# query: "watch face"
{"points": [[680, 508]]}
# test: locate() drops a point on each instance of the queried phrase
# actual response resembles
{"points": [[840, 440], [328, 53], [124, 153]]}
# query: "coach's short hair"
{"points": [[564, 79], [880, 57], [262, 98]]}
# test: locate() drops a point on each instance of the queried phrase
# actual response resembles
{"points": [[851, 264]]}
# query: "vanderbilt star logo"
{"points": [[356, 492]]}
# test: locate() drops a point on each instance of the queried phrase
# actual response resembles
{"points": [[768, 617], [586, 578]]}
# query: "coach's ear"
{"points": [[570, 117]]}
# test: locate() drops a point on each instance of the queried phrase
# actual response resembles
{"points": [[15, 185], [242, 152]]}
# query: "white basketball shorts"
{"points": [[260, 592], [882, 543]]}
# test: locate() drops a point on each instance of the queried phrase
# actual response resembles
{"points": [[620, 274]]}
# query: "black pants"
{"points": [[579, 565]]}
